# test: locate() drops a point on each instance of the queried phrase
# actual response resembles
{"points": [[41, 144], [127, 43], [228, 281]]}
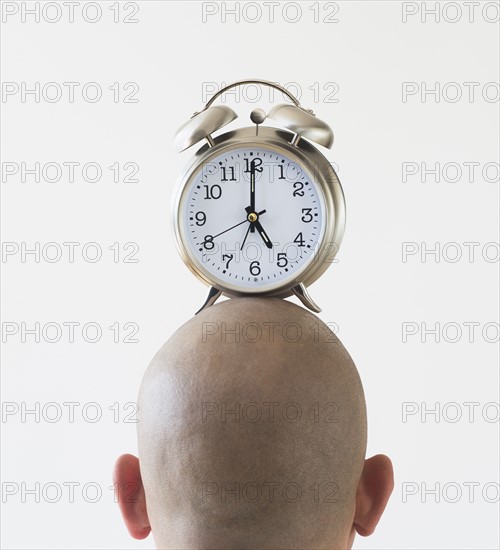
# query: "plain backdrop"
{"points": [[353, 73]]}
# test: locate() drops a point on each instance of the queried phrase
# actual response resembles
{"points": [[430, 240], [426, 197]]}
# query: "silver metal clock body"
{"points": [[325, 181]]}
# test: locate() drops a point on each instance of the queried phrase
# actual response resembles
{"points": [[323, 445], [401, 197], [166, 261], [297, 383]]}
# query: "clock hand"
{"points": [[252, 191], [263, 234], [246, 235], [255, 166], [236, 225], [255, 222], [249, 211]]}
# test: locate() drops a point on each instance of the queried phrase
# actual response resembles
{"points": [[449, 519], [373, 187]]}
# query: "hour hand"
{"points": [[263, 234], [253, 218]]}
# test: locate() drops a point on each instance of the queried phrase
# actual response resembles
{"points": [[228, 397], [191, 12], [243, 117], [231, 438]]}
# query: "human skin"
{"points": [[252, 434]]}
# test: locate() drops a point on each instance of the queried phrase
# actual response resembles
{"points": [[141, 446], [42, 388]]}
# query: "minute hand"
{"points": [[252, 192], [236, 225]]}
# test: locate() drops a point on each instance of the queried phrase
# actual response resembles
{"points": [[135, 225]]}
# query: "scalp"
{"points": [[255, 395]]}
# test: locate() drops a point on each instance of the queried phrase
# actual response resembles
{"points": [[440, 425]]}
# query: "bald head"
{"points": [[252, 431]]}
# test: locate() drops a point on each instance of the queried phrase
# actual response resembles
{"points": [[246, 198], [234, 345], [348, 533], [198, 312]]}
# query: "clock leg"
{"points": [[301, 292], [213, 296]]}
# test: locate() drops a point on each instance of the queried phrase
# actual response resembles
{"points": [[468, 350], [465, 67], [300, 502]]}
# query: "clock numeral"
{"points": [[299, 239], [255, 268], [282, 175], [208, 242], [297, 186], [229, 258], [201, 218], [229, 169], [254, 165], [306, 215], [282, 259], [213, 192]]}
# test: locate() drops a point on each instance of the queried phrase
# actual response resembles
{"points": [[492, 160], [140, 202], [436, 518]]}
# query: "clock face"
{"points": [[252, 218]]}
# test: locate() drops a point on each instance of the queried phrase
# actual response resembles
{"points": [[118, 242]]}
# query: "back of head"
{"points": [[252, 431]]}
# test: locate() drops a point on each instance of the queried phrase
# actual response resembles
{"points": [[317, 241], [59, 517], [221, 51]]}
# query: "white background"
{"points": [[173, 55]]}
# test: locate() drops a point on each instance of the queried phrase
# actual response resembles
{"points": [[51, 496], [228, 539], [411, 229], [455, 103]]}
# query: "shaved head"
{"points": [[252, 431]]}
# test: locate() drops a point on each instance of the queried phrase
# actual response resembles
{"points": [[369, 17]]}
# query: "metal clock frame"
{"points": [[308, 157]]}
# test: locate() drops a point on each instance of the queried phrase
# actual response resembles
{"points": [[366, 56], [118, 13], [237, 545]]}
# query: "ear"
{"points": [[374, 489], [129, 493]]}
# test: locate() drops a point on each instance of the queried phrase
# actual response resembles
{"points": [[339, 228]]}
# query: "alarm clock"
{"points": [[259, 211]]}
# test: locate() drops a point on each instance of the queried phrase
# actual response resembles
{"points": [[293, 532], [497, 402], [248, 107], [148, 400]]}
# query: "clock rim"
{"points": [[325, 178]]}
